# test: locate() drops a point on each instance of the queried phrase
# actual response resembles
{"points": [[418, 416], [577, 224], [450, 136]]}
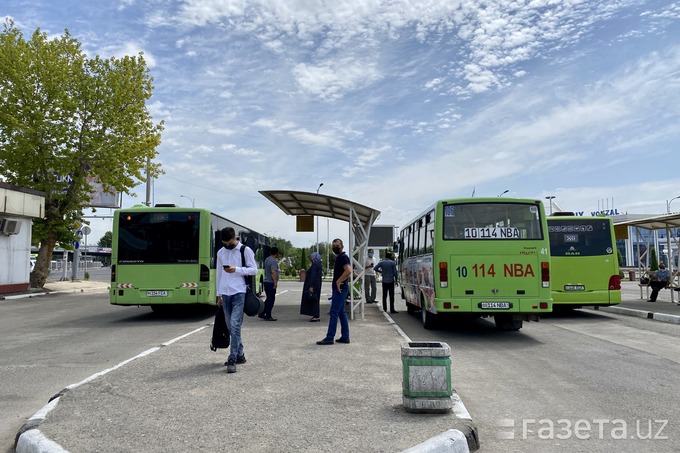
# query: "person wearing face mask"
{"points": [[231, 290], [369, 278], [341, 273]]}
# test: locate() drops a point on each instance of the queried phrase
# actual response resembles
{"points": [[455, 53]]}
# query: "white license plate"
{"points": [[156, 293], [574, 287], [494, 305]]}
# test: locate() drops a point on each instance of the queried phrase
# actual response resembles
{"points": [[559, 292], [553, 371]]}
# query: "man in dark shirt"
{"points": [[388, 269], [341, 273]]}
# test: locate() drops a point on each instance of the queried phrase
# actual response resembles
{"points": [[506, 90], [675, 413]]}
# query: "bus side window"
{"points": [[422, 239], [217, 244], [429, 234]]}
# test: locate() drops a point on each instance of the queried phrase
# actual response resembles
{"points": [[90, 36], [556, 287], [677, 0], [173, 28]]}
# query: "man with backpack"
{"points": [[231, 290]]}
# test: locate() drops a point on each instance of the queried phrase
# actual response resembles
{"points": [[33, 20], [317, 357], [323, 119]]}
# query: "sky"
{"points": [[394, 104]]}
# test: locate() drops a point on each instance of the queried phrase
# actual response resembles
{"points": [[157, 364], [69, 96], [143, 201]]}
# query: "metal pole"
{"points": [[550, 199], [317, 223], [148, 183], [193, 204]]}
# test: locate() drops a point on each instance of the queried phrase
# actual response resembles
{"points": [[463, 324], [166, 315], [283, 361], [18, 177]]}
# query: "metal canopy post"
{"points": [[359, 234]]}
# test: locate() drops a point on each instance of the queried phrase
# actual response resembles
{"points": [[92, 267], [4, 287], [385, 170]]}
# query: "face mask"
{"points": [[370, 255], [337, 250], [230, 246]]}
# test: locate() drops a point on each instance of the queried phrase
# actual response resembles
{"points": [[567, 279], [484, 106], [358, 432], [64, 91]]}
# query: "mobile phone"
{"points": [[226, 266]]}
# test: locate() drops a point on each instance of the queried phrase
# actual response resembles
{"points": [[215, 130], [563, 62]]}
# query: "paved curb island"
{"points": [[291, 395]]}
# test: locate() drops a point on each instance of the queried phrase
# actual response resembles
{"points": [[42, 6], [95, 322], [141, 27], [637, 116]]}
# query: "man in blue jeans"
{"points": [[271, 280], [231, 290], [340, 285]]}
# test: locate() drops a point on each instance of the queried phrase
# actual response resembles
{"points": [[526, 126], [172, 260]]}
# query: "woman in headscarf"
{"points": [[311, 291]]}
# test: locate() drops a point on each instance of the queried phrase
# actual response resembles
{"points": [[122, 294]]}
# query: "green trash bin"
{"points": [[426, 380]]}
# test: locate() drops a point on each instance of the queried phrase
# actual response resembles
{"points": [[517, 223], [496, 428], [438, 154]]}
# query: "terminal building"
{"points": [[18, 207]]}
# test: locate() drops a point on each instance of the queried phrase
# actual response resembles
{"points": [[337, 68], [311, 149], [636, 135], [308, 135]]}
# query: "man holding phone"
{"points": [[231, 290]]}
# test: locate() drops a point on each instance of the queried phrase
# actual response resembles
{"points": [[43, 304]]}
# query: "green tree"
{"points": [[653, 260], [67, 121], [303, 259], [106, 240], [285, 246]]}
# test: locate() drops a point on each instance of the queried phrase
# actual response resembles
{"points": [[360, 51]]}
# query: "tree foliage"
{"points": [[106, 240], [653, 260], [67, 121]]}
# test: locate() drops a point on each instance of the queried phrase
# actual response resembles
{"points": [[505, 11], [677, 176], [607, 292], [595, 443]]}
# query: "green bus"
{"points": [[585, 266], [165, 255], [477, 257]]}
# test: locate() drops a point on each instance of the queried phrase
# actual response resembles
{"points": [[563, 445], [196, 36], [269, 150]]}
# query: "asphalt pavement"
{"points": [[290, 395]]}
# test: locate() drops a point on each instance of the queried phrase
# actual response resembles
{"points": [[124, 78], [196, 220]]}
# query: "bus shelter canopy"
{"points": [[321, 205], [359, 217], [662, 222]]}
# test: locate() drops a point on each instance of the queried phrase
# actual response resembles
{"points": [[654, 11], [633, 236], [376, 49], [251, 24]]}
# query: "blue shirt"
{"points": [[270, 264], [388, 269], [663, 275]]}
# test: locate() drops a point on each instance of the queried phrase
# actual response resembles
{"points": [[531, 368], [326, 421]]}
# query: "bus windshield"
{"points": [[480, 221], [158, 237], [587, 237]]}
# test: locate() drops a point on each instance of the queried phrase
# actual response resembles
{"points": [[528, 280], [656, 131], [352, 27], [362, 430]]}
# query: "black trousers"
{"points": [[388, 288], [656, 286]]}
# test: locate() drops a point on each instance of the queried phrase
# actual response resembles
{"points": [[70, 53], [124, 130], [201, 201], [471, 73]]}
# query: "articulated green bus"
{"points": [[477, 257], [165, 255], [585, 268]]}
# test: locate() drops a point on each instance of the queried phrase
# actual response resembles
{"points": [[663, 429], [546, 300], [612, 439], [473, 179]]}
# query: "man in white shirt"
{"points": [[369, 278], [231, 290]]}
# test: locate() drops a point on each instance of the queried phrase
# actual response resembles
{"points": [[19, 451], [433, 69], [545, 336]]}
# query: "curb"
{"points": [[46, 293], [453, 440], [662, 317], [23, 296]]}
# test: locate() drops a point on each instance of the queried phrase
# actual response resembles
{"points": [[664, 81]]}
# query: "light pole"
{"points": [[193, 205], [504, 192], [668, 204], [550, 199], [317, 223]]}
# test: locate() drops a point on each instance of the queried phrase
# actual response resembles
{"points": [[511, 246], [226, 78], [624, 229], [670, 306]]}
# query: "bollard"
{"points": [[427, 377]]}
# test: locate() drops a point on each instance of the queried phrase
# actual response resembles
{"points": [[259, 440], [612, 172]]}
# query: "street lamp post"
{"points": [[668, 204], [193, 204], [317, 223], [504, 192], [550, 199]]}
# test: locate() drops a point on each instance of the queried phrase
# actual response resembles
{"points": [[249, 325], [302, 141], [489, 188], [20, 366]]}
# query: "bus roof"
{"points": [[165, 207], [503, 200]]}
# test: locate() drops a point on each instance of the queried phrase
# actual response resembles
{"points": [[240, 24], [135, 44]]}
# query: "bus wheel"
{"points": [[427, 317], [410, 308], [505, 322]]}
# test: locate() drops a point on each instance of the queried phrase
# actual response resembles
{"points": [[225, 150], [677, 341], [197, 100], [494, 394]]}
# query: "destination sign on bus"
{"points": [[492, 233]]}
